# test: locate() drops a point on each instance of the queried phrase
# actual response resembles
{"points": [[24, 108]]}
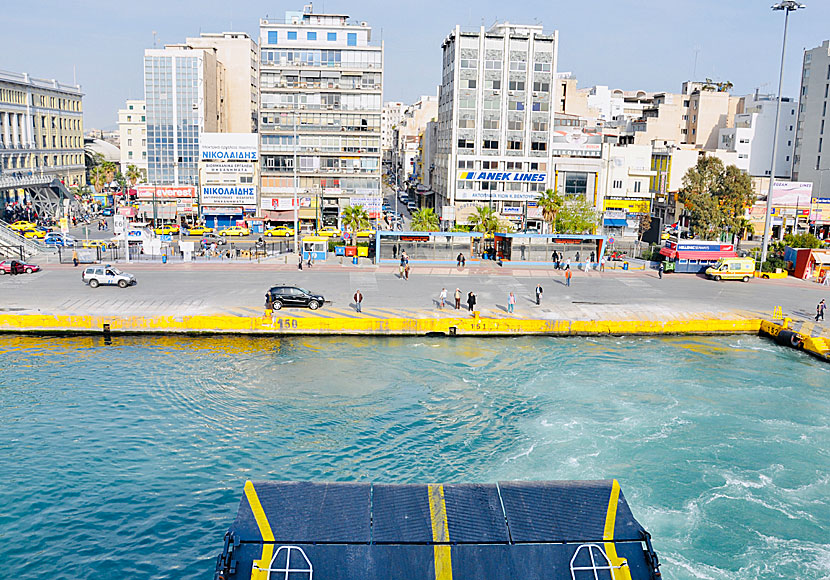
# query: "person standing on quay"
{"points": [[75, 257], [442, 298], [457, 298], [568, 277], [511, 302], [538, 294], [300, 262], [358, 300], [471, 302], [820, 308], [660, 269]]}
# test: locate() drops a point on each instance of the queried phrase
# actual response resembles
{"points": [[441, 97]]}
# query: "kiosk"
{"points": [[315, 247]]}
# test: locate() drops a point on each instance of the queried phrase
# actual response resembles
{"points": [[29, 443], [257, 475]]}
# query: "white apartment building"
{"points": [[495, 120], [407, 136], [751, 137], [321, 88], [810, 161], [626, 177], [390, 116], [132, 135]]}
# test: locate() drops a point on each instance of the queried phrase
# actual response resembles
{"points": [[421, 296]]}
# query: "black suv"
{"points": [[284, 295]]}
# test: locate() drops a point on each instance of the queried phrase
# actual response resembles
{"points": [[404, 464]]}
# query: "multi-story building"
{"points": [[390, 116], [495, 119], [41, 128], [810, 161], [321, 88], [132, 130], [751, 136], [407, 136]]}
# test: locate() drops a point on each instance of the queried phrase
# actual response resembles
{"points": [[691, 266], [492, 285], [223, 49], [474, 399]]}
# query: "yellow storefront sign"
{"points": [[631, 205]]}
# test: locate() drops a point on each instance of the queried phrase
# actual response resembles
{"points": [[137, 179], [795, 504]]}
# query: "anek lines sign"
{"points": [[503, 176], [228, 147]]}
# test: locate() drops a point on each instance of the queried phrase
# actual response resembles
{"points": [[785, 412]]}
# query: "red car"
{"points": [[6, 267]]}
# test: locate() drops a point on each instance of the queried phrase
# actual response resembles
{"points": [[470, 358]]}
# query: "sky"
{"points": [[649, 45]]}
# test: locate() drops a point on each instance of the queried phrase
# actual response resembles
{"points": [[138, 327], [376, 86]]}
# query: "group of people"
{"points": [[471, 299], [404, 266], [103, 225]]}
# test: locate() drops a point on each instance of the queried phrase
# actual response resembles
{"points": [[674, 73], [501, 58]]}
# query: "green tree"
{"points": [[97, 177], [484, 220], [550, 203], [802, 241], [110, 170], [355, 218], [425, 220], [134, 175], [744, 226], [577, 216], [715, 196]]}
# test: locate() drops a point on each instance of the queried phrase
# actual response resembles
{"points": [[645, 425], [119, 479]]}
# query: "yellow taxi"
{"points": [[366, 234], [328, 232], [235, 231], [94, 244], [34, 234], [199, 231], [22, 226], [166, 230], [280, 232]]}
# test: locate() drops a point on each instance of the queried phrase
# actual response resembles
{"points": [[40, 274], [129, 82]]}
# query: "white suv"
{"points": [[107, 275]]}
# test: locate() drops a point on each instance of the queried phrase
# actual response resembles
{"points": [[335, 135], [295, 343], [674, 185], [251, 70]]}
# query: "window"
{"points": [[272, 37], [351, 39], [541, 87], [292, 35], [491, 123], [517, 125], [466, 103], [466, 124], [576, 183], [494, 85], [518, 65], [468, 63], [515, 106], [541, 106], [516, 85], [465, 144], [489, 164], [311, 35], [470, 164], [540, 126], [617, 184], [514, 146], [468, 83], [490, 144], [492, 65], [637, 186], [538, 146], [491, 104], [331, 37], [514, 165], [489, 185]]}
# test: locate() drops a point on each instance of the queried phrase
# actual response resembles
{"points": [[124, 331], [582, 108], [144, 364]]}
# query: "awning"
{"points": [[668, 252], [279, 215], [821, 258], [615, 223]]}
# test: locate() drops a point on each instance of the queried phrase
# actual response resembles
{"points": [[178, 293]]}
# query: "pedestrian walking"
{"points": [[463, 261], [567, 264], [75, 257], [300, 261], [660, 269], [406, 271], [577, 256], [358, 300], [443, 297], [471, 302], [602, 263], [820, 308], [592, 257], [457, 298], [538, 294], [459, 258], [568, 275], [511, 303]]}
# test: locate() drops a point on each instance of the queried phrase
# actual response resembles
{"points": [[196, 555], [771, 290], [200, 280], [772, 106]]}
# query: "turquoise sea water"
{"points": [[128, 460]]}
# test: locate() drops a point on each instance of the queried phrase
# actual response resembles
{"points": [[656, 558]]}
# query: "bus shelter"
{"points": [[538, 249], [439, 247]]}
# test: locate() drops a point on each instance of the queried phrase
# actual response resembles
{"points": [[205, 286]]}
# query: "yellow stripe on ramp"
{"points": [[440, 532], [265, 532], [622, 572]]}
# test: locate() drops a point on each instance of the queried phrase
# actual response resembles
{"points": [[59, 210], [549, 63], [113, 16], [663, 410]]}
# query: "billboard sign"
{"points": [[284, 203], [228, 147], [228, 168], [372, 204], [497, 195], [165, 191], [631, 204], [792, 193], [229, 194], [503, 176], [577, 142]]}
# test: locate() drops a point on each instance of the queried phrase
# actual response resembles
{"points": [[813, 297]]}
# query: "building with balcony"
{"points": [[496, 120], [810, 161], [132, 131], [390, 116], [321, 88], [41, 128]]}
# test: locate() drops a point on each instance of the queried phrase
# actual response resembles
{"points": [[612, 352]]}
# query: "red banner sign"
{"points": [[165, 191]]}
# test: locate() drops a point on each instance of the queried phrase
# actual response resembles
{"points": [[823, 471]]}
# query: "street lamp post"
{"points": [[296, 182], [787, 6]]}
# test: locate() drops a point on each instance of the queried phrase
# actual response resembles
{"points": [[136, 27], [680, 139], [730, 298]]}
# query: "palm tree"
{"points": [[133, 174], [550, 202], [97, 177], [110, 169], [425, 220], [355, 218], [484, 220], [744, 227]]}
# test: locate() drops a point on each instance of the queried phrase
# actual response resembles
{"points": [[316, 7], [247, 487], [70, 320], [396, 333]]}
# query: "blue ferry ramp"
{"points": [[582, 530]]}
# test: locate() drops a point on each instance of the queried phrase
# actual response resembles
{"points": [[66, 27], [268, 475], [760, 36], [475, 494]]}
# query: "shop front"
{"points": [[220, 217]]}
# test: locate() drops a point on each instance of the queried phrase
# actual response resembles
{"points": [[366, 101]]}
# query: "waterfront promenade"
{"points": [[238, 289]]}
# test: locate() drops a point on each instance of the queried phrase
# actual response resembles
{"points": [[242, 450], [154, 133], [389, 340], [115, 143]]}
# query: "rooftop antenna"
{"points": [[694, 68], [154, 38]]}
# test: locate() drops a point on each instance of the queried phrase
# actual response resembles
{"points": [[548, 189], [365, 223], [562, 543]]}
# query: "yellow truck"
{"points": [[732, 269]]}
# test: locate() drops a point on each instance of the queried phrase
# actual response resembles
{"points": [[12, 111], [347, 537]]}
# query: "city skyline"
{"points": [[629, 45]]}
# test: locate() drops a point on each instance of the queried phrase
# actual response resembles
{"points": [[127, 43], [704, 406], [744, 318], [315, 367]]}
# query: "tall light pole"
{"points": [[296, 181], [787, 6]]}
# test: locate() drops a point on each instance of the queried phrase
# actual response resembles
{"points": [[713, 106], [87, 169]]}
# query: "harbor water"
{"points": [[128, 459]]}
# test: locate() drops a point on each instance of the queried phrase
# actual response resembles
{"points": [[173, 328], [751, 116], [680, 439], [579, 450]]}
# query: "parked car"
{"points": [[57, 239], [107, 212], [235, 231], [107, 275], [412, 206], [279, 232], [17, 267], [329, 232], [95, 244], [209, 239], [285, 295]]}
